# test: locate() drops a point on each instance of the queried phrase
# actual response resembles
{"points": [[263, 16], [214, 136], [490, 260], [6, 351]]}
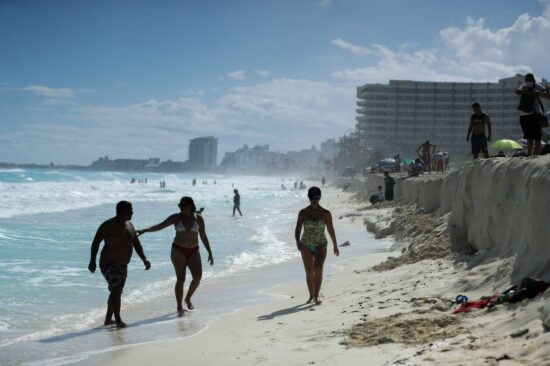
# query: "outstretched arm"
{"points": [[99, 236], [139, 250], [298, 229], [163, 225], [330, 228], [469, 131], [204, 239]]}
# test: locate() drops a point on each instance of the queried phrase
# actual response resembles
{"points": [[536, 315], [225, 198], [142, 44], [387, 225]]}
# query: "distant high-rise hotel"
{"points": [[395, 118], [203, 153]]}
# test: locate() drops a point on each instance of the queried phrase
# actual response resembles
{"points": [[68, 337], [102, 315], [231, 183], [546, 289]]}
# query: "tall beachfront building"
{"points": [[395, 118], [203, 153]]}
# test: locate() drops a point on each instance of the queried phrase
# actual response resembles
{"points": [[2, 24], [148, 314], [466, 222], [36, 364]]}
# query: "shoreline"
{"points": [[254, 287], [384, 310], [348, 228]]}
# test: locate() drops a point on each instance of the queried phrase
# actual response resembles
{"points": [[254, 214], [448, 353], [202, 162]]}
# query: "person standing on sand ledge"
{"points": [[185, 248], [120, 239], [313, 243], [476, 129]]}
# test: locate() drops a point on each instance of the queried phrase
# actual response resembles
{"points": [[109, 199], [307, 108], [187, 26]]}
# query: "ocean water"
{"points": [[51, 308]]}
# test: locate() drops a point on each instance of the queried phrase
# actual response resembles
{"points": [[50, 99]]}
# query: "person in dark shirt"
{"points": [[389, 183], [478, 122], [237, 202]]}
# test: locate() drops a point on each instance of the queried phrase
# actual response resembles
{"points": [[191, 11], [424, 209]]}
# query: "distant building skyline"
{"points": [[203, 153], [395, 118]]}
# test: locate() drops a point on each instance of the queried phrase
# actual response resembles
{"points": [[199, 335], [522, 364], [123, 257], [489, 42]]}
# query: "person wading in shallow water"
{"points": [[237, 202], [185, 248], [313, 243], [120, 239]]}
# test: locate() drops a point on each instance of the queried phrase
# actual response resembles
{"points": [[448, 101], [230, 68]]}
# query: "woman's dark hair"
{"points": [[188, 202], [314, 193], [530, 77]]}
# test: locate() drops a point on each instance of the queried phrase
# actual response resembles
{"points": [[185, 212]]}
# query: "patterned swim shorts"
{"points": [[115, 274]]}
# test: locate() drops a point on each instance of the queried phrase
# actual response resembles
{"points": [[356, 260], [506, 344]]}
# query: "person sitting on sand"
{"points": [[185, 248], [380, 194], [313, 243], [120, 239]]}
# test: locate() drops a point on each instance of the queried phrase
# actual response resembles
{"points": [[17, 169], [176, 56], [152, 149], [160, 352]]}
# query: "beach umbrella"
{"points": [[407, 161], [505, 144]]}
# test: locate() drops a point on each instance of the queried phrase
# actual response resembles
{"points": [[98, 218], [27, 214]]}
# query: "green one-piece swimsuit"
{"points": [[314, 235]]}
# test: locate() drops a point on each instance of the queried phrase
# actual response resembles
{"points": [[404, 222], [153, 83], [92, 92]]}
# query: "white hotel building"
{"points": [[395, 118]]}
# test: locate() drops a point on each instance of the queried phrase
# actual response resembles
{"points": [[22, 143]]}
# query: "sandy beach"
{"points": [[378, 309]]}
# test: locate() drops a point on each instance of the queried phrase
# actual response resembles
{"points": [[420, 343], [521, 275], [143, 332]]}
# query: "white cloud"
{"points": [[46, 91], [358, 50], [469, 53], [263, 73], [237, 75], [307, 111]]}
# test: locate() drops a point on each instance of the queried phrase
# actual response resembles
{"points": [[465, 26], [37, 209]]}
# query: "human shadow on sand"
{"points": [[103, 328], [286, 311]]}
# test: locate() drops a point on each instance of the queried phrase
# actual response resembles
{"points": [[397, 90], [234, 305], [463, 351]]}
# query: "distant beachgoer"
{"points": [[120, 239], [426, 150], [133, 180], [417, 169], [313, 243], [185, 248], [194, 181], [447, 159], [439, 162], [397, 168], [323, 181], [296, 184], [380, 194], [530, 112], [237, 202], [478, 121], [389, 183]]}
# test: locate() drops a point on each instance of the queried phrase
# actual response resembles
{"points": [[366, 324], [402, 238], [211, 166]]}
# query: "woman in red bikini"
{"points": [[185, 247]]}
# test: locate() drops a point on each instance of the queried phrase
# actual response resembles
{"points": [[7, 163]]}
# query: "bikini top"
{"points": [[180, 227]]}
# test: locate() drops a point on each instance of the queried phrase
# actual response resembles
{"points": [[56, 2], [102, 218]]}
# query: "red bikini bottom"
{"points": [[187, 252]]}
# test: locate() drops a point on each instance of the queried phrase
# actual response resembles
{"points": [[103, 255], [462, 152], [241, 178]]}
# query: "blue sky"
{"points": [[80, 79]]}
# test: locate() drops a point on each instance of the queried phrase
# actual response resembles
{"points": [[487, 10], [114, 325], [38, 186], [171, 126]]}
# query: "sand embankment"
{"points": [[500, 205]]}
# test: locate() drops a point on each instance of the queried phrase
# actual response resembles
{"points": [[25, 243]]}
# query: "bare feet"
{"points": [[120, 324], [310, 300], [189, 304], [318, 301], [109, 322], [180, 309]]}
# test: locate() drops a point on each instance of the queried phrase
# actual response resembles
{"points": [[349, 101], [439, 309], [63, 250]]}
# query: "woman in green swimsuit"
{"points": [[313, 243]]}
